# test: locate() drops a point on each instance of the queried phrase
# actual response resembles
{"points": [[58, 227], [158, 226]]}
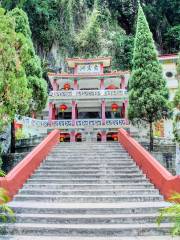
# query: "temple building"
{"points": [[89, 101]]}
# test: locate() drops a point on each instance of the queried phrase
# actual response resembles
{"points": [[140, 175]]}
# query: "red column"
{"points": [[122, 82], [103, 136], [102, 68], [126, 110], [54, 112], [55, 85], [102, 87], [103, 106], [75, 84], [75, 69], [73, 113], [73, 136], [50, 111]]}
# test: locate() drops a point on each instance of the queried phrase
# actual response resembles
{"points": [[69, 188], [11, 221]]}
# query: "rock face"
{"points": [[87, 190]]}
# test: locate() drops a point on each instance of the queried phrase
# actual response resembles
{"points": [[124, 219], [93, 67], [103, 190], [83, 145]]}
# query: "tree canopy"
{"points": [[14, 91], [65, 23], [30, 61], [148, 93]]}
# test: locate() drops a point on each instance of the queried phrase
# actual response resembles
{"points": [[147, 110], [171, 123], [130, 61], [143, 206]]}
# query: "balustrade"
{"points": [[86, 94], [79, 123]]}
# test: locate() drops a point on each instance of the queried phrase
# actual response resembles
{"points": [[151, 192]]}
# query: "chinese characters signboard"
{"points": [[88, 69]]}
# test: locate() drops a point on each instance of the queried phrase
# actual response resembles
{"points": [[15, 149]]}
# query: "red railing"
{"points": [[158, 175], [15, 179]]}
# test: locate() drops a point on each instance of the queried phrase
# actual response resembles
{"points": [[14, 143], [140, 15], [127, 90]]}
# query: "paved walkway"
{"points": [[90, 238]]}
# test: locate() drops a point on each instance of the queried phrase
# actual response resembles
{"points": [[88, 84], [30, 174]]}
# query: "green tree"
{"points": [[30, 61], [148, 95], [14, 92], [177, 95]]}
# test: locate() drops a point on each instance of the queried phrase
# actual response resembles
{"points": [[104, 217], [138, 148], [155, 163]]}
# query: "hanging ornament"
{"points": [[66, 86], [115, 137], [63, 107], [114, 107]]}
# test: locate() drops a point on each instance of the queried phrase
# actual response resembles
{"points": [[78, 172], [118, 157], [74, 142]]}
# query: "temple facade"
{"points": [[89, 101]]}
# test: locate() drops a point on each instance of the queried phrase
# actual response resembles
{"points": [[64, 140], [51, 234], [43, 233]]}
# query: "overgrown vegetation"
{"points": [[102, 27], [173, 213]]}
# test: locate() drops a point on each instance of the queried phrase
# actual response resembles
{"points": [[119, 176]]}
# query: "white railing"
{"points": [[68, 124], [88, 94]]}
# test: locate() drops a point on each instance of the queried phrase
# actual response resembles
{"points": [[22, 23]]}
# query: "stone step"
{"points": [[88, 192], [10, 237], [87, 208], [85, 230], [87, 181], [90, 155], [145, 186], [101, 163], [89, 171], [90, 168], [87, 161], [89, 199], [88, 219], [88, 176]]}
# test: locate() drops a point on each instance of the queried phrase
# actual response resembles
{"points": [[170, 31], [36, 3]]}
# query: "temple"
{"points": [[89, 101]]}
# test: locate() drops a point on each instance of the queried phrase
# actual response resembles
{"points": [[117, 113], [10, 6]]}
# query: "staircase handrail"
{"points": [[158, 175], [15, 179]]}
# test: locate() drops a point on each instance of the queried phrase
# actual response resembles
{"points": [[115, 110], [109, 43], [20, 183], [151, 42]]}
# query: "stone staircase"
{"points": [[86, 190]]}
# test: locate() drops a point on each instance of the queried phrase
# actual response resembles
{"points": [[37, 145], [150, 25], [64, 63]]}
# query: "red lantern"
{"points": [[114, 107], [62, 137], [18, 125], [66, 86], [114, 137], [63, 107]]}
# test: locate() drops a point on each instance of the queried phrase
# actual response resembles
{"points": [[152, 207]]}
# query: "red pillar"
{"points": [[102, 68], [75, 69], [50, 118], [73, 113], [55, 85], [75, 84], [73, 136], [54, 112], [103, 106], [122, 82], [102, 87], [126, 110], [103, 136]]}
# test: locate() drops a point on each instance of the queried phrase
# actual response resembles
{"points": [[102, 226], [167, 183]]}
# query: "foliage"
{"points": [[5, 211], [148, 92], [30, 61], [176, 99], [77, 28], [88, 41], [176, 124], [14, 92], [172, 212], [60, 22], [20, 134], [176, 102]]}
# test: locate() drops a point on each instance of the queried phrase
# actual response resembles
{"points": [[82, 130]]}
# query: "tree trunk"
{"points": [[151, 143], [13, 139]]}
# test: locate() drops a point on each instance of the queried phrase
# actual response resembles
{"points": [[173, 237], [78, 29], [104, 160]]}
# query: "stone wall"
{"points": [[165, 154]]}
